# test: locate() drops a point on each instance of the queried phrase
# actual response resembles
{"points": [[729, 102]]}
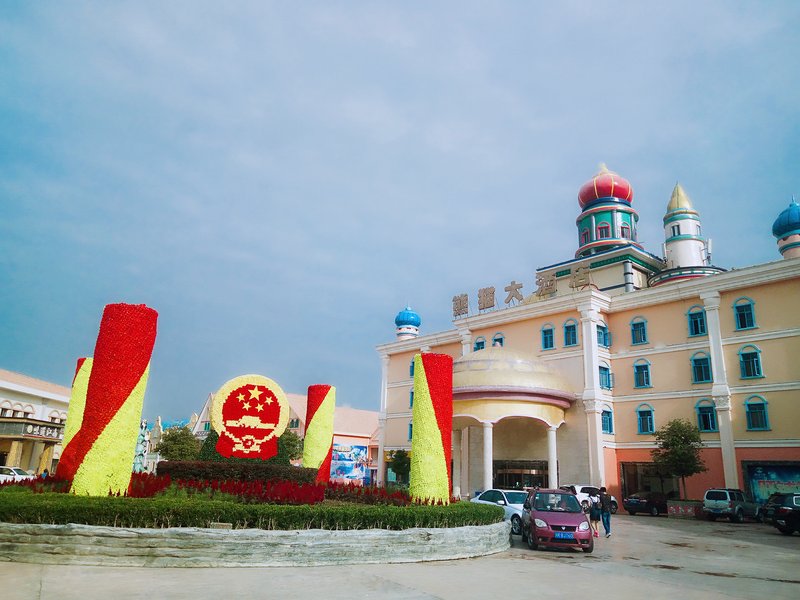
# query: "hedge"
{"points": [[241, 471], [50, 508]]}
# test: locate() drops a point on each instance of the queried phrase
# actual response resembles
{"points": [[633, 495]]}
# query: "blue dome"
{"points": [[407, 317], [788, 221]]}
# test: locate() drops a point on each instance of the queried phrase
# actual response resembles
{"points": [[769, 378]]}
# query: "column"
{"points": [[552, 458], [592, 394], [466, 341], [46, 459], [14, 454], [456, 475], [720, 391], [382, 419], [487, 456]]}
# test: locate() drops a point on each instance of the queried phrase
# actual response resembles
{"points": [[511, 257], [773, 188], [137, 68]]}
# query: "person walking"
{"points": [[605, 510], [594, 514]]}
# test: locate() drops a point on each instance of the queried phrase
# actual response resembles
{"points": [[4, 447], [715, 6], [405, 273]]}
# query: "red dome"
{"points": [[606, 184]]}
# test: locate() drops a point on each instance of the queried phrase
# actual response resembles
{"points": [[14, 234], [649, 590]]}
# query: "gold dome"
{"points": [[499, 368], [679, 200]]}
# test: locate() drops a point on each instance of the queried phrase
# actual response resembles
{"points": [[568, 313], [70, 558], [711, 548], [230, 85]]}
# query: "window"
{"points": [[480, 344], [697, 321], [608, 421], [498, 340], [645, 421], [706, 415], [548, 339], [411, 368], [641, 374], [606, 378], [625, 232], [743, 312], [207, 426], [638, 331], [570, 333], [411, 399], [756, 411], [750, 362], [676, 230], [603, 231], [410, 430], [603, 336], [701, 368], [584, 237]]}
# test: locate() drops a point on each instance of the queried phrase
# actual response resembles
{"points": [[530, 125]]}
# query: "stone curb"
{"points": [[194, 547]]}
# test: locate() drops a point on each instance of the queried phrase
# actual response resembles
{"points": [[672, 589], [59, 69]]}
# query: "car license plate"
{"points": [[564, 535]]}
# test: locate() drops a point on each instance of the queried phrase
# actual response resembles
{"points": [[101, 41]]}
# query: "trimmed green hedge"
{"points": [[20, 507], [241, 471]]}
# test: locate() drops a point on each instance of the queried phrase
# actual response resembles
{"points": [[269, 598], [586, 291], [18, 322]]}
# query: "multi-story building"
{"points": [[570, 383], [32, 417]]}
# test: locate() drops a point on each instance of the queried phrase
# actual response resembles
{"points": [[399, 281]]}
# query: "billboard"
{"points": [[764, 479], [350, 464]]}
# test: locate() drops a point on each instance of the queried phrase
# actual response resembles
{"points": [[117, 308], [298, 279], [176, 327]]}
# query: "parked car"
{"points": [[510, 500], [582, 492], [730, 503], [555, 519], [21, 474], [652, 503], [783, 511]]}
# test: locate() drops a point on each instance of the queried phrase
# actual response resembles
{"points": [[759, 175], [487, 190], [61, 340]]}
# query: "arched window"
{"points": [[548, 337], [645, 419], [480, 344], [603, 231], [6, 410], [606, 377], [584, 237], [570, 332], [696, 317], [411, 368], [744, 314], [498, 339], [641, 374], [603, 336], [638, 330], [625, 232], [706, 415], [607, 417], [755, 408], [701, 368], [750, 362], [411, 399]]}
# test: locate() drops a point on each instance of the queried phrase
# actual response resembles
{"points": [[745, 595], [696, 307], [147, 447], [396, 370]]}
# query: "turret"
{"points": [[786, 230], [407, 322]]}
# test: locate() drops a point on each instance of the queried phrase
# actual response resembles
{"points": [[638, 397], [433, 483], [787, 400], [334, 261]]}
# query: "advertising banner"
{"points": [[768, 478], [350, 464]]}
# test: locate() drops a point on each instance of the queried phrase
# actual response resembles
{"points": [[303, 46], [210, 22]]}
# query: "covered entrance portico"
{"points": [[502, 403]]}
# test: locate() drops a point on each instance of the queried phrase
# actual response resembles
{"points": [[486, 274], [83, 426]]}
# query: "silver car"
{"points": [[510, 500]]}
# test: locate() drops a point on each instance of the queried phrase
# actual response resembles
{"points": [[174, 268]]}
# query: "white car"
{"points": [[14, 474], [510, 500], [583, 490]]}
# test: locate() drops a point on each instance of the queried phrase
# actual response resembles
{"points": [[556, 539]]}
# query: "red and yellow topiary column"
{"points": [[100, 456], [77, 403], [432, 419], [318, 441]]}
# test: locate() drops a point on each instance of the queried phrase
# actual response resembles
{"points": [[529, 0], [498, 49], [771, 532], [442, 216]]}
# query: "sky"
{"points": [[279, 179]]}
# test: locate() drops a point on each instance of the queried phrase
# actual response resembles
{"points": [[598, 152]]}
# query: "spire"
{"points": [[679, 200]]}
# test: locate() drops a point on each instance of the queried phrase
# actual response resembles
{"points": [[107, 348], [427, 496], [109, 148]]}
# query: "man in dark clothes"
{"points": [[605, 510]]}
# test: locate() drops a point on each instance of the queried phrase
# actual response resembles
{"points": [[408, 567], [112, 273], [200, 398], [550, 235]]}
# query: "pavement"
{"points": [[645, 558]]}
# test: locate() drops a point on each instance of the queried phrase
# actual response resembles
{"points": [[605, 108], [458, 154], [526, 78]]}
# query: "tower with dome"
{"points": [[599, 351]]}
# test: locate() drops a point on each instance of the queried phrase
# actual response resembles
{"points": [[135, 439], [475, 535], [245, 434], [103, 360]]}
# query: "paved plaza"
{"points": [[646, 558]]}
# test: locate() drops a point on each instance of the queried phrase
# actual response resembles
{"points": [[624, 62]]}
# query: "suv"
{"points": [[730, 503], [783, 511], [582, 492]]}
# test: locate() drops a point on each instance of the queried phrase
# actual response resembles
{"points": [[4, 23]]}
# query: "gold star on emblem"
{"points": [[268, 400], [255, 393], [241, 397], [259, 407], [246, 406]]}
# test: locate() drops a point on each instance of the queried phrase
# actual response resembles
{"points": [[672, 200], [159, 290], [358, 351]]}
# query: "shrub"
{"points": [[242, 470]]}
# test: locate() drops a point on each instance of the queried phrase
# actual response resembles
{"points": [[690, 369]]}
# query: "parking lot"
{"points": [[646, 557]]}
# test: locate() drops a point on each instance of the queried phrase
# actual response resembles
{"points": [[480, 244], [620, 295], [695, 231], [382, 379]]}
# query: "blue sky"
{"points": [[279, 179]]}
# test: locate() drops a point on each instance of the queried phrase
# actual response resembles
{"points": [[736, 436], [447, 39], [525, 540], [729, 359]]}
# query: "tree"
{"points": [[178, 443], [678, 450], [400, 463], [290, 447]]}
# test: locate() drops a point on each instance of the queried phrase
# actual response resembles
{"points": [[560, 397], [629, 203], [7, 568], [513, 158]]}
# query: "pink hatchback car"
{"points": [[554, 518]]}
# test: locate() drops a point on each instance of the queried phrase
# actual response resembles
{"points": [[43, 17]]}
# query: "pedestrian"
{"points": [[594, 513], [605, 510], [45, 473]]}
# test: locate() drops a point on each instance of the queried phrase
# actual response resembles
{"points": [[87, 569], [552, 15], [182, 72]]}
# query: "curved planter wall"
{"points": [[193, 547]]}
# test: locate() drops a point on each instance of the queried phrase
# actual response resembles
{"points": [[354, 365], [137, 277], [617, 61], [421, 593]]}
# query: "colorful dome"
{"points": [[788, 221], [606, 184], [407, 317]]}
